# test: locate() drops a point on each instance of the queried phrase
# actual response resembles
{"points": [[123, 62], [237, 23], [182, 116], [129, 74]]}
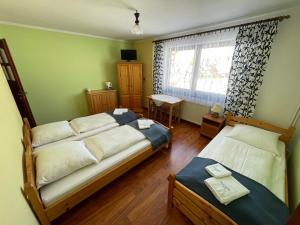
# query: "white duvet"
{"points": [[113, 141], [61, 188], [257, 164]]}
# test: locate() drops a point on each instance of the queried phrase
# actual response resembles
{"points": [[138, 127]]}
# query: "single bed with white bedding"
{"points": [[250, 161], [255, 152]]}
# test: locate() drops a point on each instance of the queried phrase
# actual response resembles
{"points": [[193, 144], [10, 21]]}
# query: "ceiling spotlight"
{"points": [[136, 29]]}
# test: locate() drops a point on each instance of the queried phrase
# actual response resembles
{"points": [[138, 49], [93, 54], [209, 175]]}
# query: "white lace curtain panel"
{"points": [[195, 68], [223, 67]]}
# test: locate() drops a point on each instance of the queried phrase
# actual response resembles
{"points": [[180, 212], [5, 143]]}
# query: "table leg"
{"points": [[155, 111], [170, 115], [149, 107], [160, 114], [179, 112]]}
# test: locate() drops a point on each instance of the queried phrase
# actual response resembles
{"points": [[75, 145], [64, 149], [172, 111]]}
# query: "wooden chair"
{"points": [[164, 110], [161, 113]]}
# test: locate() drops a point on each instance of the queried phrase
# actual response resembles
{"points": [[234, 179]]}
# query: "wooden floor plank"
{"points": [[140, 196]]}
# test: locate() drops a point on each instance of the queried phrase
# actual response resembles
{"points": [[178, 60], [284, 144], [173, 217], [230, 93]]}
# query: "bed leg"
{"points": [[171, 179], [170, 141]]}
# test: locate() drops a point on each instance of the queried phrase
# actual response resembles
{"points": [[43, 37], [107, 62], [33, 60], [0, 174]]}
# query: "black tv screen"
{"points": [[128, 54]]}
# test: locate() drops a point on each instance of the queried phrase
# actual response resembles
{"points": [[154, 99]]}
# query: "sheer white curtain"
{"points": [[197, 68]]}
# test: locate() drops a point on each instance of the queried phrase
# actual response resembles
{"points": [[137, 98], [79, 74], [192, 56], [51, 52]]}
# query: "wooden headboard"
{"points": [[30, 190], [29, 175], [285, 136]]}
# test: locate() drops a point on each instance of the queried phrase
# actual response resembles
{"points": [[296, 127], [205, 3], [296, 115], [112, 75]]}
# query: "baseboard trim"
{"points": [[187, 121]]}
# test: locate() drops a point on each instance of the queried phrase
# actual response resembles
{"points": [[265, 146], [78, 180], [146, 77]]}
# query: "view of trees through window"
{"points": [[181, 69], [201, 69]]}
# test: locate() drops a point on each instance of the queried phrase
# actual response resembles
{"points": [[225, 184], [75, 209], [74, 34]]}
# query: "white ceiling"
{"points": [[114, 18]]}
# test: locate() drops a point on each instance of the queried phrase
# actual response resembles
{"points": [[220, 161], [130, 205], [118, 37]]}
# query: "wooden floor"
{"points": [[140, 196]]}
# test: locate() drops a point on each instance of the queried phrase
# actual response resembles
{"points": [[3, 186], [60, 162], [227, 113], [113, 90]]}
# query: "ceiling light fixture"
{"points": [[136, 29]]}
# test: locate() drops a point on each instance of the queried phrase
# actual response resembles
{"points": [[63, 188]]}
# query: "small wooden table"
{"points": [[211, 126], [170, 101]]}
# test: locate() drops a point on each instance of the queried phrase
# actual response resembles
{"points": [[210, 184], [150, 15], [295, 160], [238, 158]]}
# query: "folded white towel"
{"points": [[226, 189], [217, 170], [120, 111], [144, 123]]}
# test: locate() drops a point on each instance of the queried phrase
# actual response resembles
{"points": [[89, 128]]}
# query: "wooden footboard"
{"points": [[197, 209]]}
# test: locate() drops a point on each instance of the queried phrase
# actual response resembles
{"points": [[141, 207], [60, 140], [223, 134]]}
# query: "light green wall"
{"points": [[55, 68], [14, 210], [279, 95]]}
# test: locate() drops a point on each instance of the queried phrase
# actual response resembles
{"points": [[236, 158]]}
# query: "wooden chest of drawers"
{"points": [[101, 100]]}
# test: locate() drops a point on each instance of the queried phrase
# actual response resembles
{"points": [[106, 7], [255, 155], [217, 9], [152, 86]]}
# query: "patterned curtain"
{"points": [[252, 50], [158, 60]]}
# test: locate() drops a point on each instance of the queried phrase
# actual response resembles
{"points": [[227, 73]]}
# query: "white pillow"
{"points": [[257, 137], [56, 161], [50, 132], [87, 123]]}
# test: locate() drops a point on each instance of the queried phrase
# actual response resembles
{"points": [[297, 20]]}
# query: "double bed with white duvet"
{"points": [[101, 143], [65, 162], [54, 191]]}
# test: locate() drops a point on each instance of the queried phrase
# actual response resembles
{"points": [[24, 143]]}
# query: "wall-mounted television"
{"points": [[128, 54]]}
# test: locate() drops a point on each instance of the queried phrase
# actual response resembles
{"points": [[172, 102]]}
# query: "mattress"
{"points": [[58, 189], [81, 135], [257, 164]]}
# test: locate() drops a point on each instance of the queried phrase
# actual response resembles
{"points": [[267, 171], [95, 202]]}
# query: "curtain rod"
{"points": [[280, 18]]}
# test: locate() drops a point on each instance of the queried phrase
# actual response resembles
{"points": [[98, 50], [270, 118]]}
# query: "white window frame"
{"points": [[195, 95]]}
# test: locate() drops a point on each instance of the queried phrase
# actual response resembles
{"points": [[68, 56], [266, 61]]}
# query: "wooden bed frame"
{"points": [[196, 208], [47, 214]]}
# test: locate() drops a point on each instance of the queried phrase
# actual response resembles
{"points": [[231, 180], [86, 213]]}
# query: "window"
{"points": [[214, 69], [198, 71], [181, 68]]}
